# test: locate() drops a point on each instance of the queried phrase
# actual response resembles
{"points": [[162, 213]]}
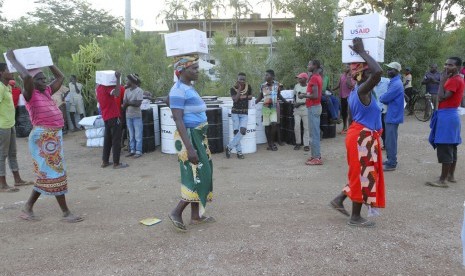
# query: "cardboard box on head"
{"points": [[186, 42], [373, 46], [31, 58], [365, 26], [106, 77]]}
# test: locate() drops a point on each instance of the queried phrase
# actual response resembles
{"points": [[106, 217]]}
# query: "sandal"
{"points": [[240, 155], [274, 147], [120, 166], [137, 156], [297, 147], [9, 190], [130, 154], [104, 165], [23, 183], [306, 148], [365, 224], [72, 218], [177, 224], [203, 220], [28, 216]]}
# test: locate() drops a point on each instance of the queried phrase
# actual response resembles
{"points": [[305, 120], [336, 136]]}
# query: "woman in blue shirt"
{"points": [[365, 177], [191, 143]]}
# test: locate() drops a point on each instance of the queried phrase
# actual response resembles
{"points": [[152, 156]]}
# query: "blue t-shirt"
{"points": [[367, 115], [185, 97], [394, 99]]}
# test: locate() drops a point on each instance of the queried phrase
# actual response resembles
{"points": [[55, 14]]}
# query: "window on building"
{"points": [[210, 34], [258, 33]]}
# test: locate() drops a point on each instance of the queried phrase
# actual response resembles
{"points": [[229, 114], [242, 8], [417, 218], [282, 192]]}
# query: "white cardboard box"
{"points": [[31, 58], [374, 47], [186, 42], [365, 26], [106, 77]]}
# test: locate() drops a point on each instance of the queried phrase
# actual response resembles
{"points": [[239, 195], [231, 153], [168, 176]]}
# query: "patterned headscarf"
{"points": [[357, 70], [182, 62]]}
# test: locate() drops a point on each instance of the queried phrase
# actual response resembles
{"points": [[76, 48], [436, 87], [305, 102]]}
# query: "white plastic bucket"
{"points": [[168, 127], [225, 111], [260, 128], [248, 141]]}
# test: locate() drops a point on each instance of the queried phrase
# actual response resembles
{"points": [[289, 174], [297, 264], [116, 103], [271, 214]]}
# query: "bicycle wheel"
{"points": [[423, 109]]}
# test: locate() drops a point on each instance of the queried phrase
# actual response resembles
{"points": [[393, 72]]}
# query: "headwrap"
{"points": [[34, 72], [357, 70], [134, 78], [182, 62]]}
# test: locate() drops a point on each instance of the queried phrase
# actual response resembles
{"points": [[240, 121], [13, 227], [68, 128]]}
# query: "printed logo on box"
{"points": [[360, 28]]}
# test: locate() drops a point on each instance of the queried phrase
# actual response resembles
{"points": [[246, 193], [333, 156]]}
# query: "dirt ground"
{"points": [[272, 217]]}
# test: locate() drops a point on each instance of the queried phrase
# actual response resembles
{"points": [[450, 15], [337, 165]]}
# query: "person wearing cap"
{"points": [[364, 156], [132, 101], [45, 140], [445, 123], [300, 113], [408, 88], [394, 100], [240, 93], [431, 81]]}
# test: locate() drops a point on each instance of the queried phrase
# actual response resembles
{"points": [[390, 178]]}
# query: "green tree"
{"points": [[174, 10]]}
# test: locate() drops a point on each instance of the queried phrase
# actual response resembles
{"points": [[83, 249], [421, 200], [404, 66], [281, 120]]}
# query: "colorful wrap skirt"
{"points": [[46, 147], [366, 176], [196, 180]]}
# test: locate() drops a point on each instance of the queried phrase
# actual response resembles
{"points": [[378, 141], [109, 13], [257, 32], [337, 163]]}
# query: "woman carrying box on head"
{"points": [[46, 138], [365, 177]]}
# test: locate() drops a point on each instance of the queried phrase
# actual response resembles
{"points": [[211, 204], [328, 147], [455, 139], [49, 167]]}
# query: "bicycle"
{"points": [[421, 104]]}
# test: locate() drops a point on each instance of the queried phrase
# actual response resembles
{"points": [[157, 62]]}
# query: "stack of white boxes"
{"points": [[186, 42], [371, 28]]}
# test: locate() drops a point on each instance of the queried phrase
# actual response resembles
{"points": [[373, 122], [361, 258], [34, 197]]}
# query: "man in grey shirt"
{"points": [[132, 100]]}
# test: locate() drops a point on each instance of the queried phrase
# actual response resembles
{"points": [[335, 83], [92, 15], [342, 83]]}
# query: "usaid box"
{"points": [[365, 26], [106, 77], [186, 42], [373, 46], [31, 58]]}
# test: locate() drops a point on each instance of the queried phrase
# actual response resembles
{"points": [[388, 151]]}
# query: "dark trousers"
{"points": [[344, 108], [112, 139]]}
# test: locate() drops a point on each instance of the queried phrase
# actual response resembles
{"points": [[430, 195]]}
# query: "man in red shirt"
{"points": [[445, 124], [15, 91], [313, 103], [111, 114]]}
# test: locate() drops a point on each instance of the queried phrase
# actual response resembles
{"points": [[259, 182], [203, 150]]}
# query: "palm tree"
{"points": [[241, 8], [205, 8], [174, 10]]}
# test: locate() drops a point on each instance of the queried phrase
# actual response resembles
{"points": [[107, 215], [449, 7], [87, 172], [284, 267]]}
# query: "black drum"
{"points": [[287, 122], [215, 130], [148, 132], [327, 128]]}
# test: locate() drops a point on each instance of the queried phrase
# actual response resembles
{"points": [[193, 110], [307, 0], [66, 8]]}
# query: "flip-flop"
{"points": [[137, 156], [177, 224], [9, 190], [72, 218], [104, 165], [274, 148], [203, 220], [28, 217], [365, 224], [24, 183], [120, 166], [341, 210]]}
